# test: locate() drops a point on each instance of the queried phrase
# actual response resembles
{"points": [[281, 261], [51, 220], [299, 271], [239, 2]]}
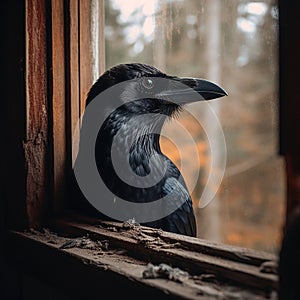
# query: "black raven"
{"points": [[146, 92]]}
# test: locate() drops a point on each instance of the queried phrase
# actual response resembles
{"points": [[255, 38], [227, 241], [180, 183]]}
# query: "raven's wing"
{"points": [[182, 220]]}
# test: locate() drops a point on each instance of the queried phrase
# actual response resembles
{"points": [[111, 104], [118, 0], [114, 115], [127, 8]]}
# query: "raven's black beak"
{"points": [[188, 90]]}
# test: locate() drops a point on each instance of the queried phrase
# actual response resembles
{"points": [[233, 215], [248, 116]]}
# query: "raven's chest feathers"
{"points": [[129, 158]]}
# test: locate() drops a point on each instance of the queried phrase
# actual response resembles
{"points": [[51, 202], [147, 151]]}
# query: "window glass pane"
{"points": [[233, 43]]}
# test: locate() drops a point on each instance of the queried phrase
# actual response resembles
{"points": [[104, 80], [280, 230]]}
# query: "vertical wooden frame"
{"points": [[85, 50], [73, 70], [83, 44], [73, 78], [58, 102], [85, 17], [36, 143], [91, 44]]}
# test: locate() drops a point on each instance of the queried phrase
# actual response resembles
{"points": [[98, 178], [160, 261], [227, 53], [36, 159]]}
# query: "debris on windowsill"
{"points": [[85, 243], [165, 271], [45, 232], [129, 224], [150, 242]]}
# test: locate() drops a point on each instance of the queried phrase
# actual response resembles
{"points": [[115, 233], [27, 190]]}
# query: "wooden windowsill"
{"points": [[91, 257]]}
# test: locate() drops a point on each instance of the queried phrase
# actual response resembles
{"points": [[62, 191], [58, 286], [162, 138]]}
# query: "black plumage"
{"points": [[127, 124]]}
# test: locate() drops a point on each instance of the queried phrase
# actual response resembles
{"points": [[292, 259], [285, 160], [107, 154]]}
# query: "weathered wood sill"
{"points": [[89, 258]]}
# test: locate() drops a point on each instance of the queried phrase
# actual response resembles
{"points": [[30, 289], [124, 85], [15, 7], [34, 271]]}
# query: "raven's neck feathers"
{"points": [[131, 132]]}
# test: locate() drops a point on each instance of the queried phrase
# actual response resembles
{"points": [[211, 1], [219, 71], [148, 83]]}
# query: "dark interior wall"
{"points": [[289, 46], [289, 52], [13, 112], [12, 180]]}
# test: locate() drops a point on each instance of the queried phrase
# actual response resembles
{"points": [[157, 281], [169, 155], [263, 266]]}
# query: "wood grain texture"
{"points": [[72, 82], [82, 275], [87, 270], [101, 36], [85, 61], [35, 145], [58, 104], [191, 254], [234, 253], [85, 51]]}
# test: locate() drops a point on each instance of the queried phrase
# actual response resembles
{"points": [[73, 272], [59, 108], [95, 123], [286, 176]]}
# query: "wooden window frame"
{"points": [[51, 69], [55, 66]]}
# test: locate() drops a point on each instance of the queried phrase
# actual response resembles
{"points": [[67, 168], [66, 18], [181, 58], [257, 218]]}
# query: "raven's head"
{"points": [[153, 90]]}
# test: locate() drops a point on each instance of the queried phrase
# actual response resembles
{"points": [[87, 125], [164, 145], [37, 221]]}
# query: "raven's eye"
{"points": [[147, 83]]}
